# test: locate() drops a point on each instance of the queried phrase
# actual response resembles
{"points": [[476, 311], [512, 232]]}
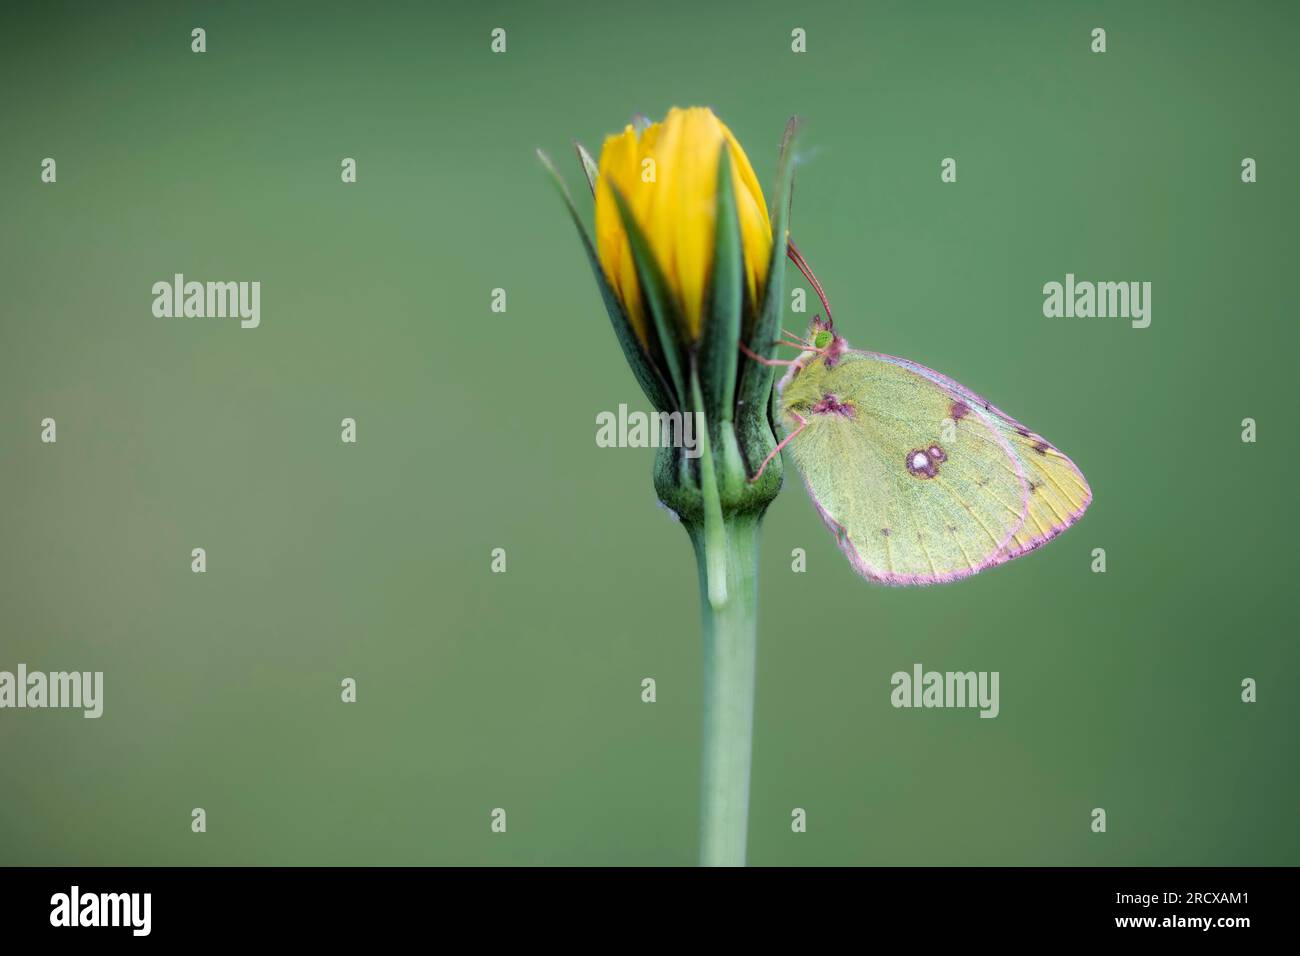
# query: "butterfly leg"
{"points": [[766, 361], [803, 423]]}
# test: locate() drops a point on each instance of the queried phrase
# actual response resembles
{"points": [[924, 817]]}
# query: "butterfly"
{"points": [[919, 479]]}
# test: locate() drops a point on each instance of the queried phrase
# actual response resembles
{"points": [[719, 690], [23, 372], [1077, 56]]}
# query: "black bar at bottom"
{"points": [[211, 905]]}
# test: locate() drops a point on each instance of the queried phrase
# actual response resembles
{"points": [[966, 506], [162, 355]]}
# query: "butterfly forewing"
{"points": [[1058, 492]]}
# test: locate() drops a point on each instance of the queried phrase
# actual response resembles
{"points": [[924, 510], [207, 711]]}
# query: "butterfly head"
{"points": [[826, 340]]}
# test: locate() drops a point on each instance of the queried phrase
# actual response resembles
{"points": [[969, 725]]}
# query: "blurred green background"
{"points": [[476, 430]]}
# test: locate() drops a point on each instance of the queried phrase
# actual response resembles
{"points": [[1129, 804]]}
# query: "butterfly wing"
{"points": [[906, 504], [1058, 492], [920, 479]]}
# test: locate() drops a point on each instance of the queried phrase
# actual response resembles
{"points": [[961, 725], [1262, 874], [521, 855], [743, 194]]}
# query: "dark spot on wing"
{"points": [[885, 532], [920, 463], [959, 411], [830, 405], [1022, 431], [1041, 447]]}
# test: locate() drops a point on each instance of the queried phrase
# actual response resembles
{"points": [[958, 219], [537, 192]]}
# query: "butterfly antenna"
{"points": [[801, 264]]}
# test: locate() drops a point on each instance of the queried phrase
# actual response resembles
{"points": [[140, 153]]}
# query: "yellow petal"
{"points": [[673, 198], [618, 163], [755, 226]]}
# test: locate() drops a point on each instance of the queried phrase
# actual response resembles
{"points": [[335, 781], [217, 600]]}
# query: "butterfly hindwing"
{"points": [[910, 499]]}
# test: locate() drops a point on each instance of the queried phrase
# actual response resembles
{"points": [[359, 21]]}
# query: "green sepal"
{"points": [[643, 369], [658, 300], [679, 485], [761, 337], [720, 337], [714, 526], [588, 166], [756, 378]]}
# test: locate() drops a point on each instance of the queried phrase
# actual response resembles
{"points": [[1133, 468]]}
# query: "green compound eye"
{"points": [[822, 339]]}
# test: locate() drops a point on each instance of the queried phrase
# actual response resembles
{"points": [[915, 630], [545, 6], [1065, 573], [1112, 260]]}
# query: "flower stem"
{"points": [[730, 648]]}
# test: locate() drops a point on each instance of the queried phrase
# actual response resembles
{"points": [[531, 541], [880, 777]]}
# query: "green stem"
{"points": [[730, 648]]}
